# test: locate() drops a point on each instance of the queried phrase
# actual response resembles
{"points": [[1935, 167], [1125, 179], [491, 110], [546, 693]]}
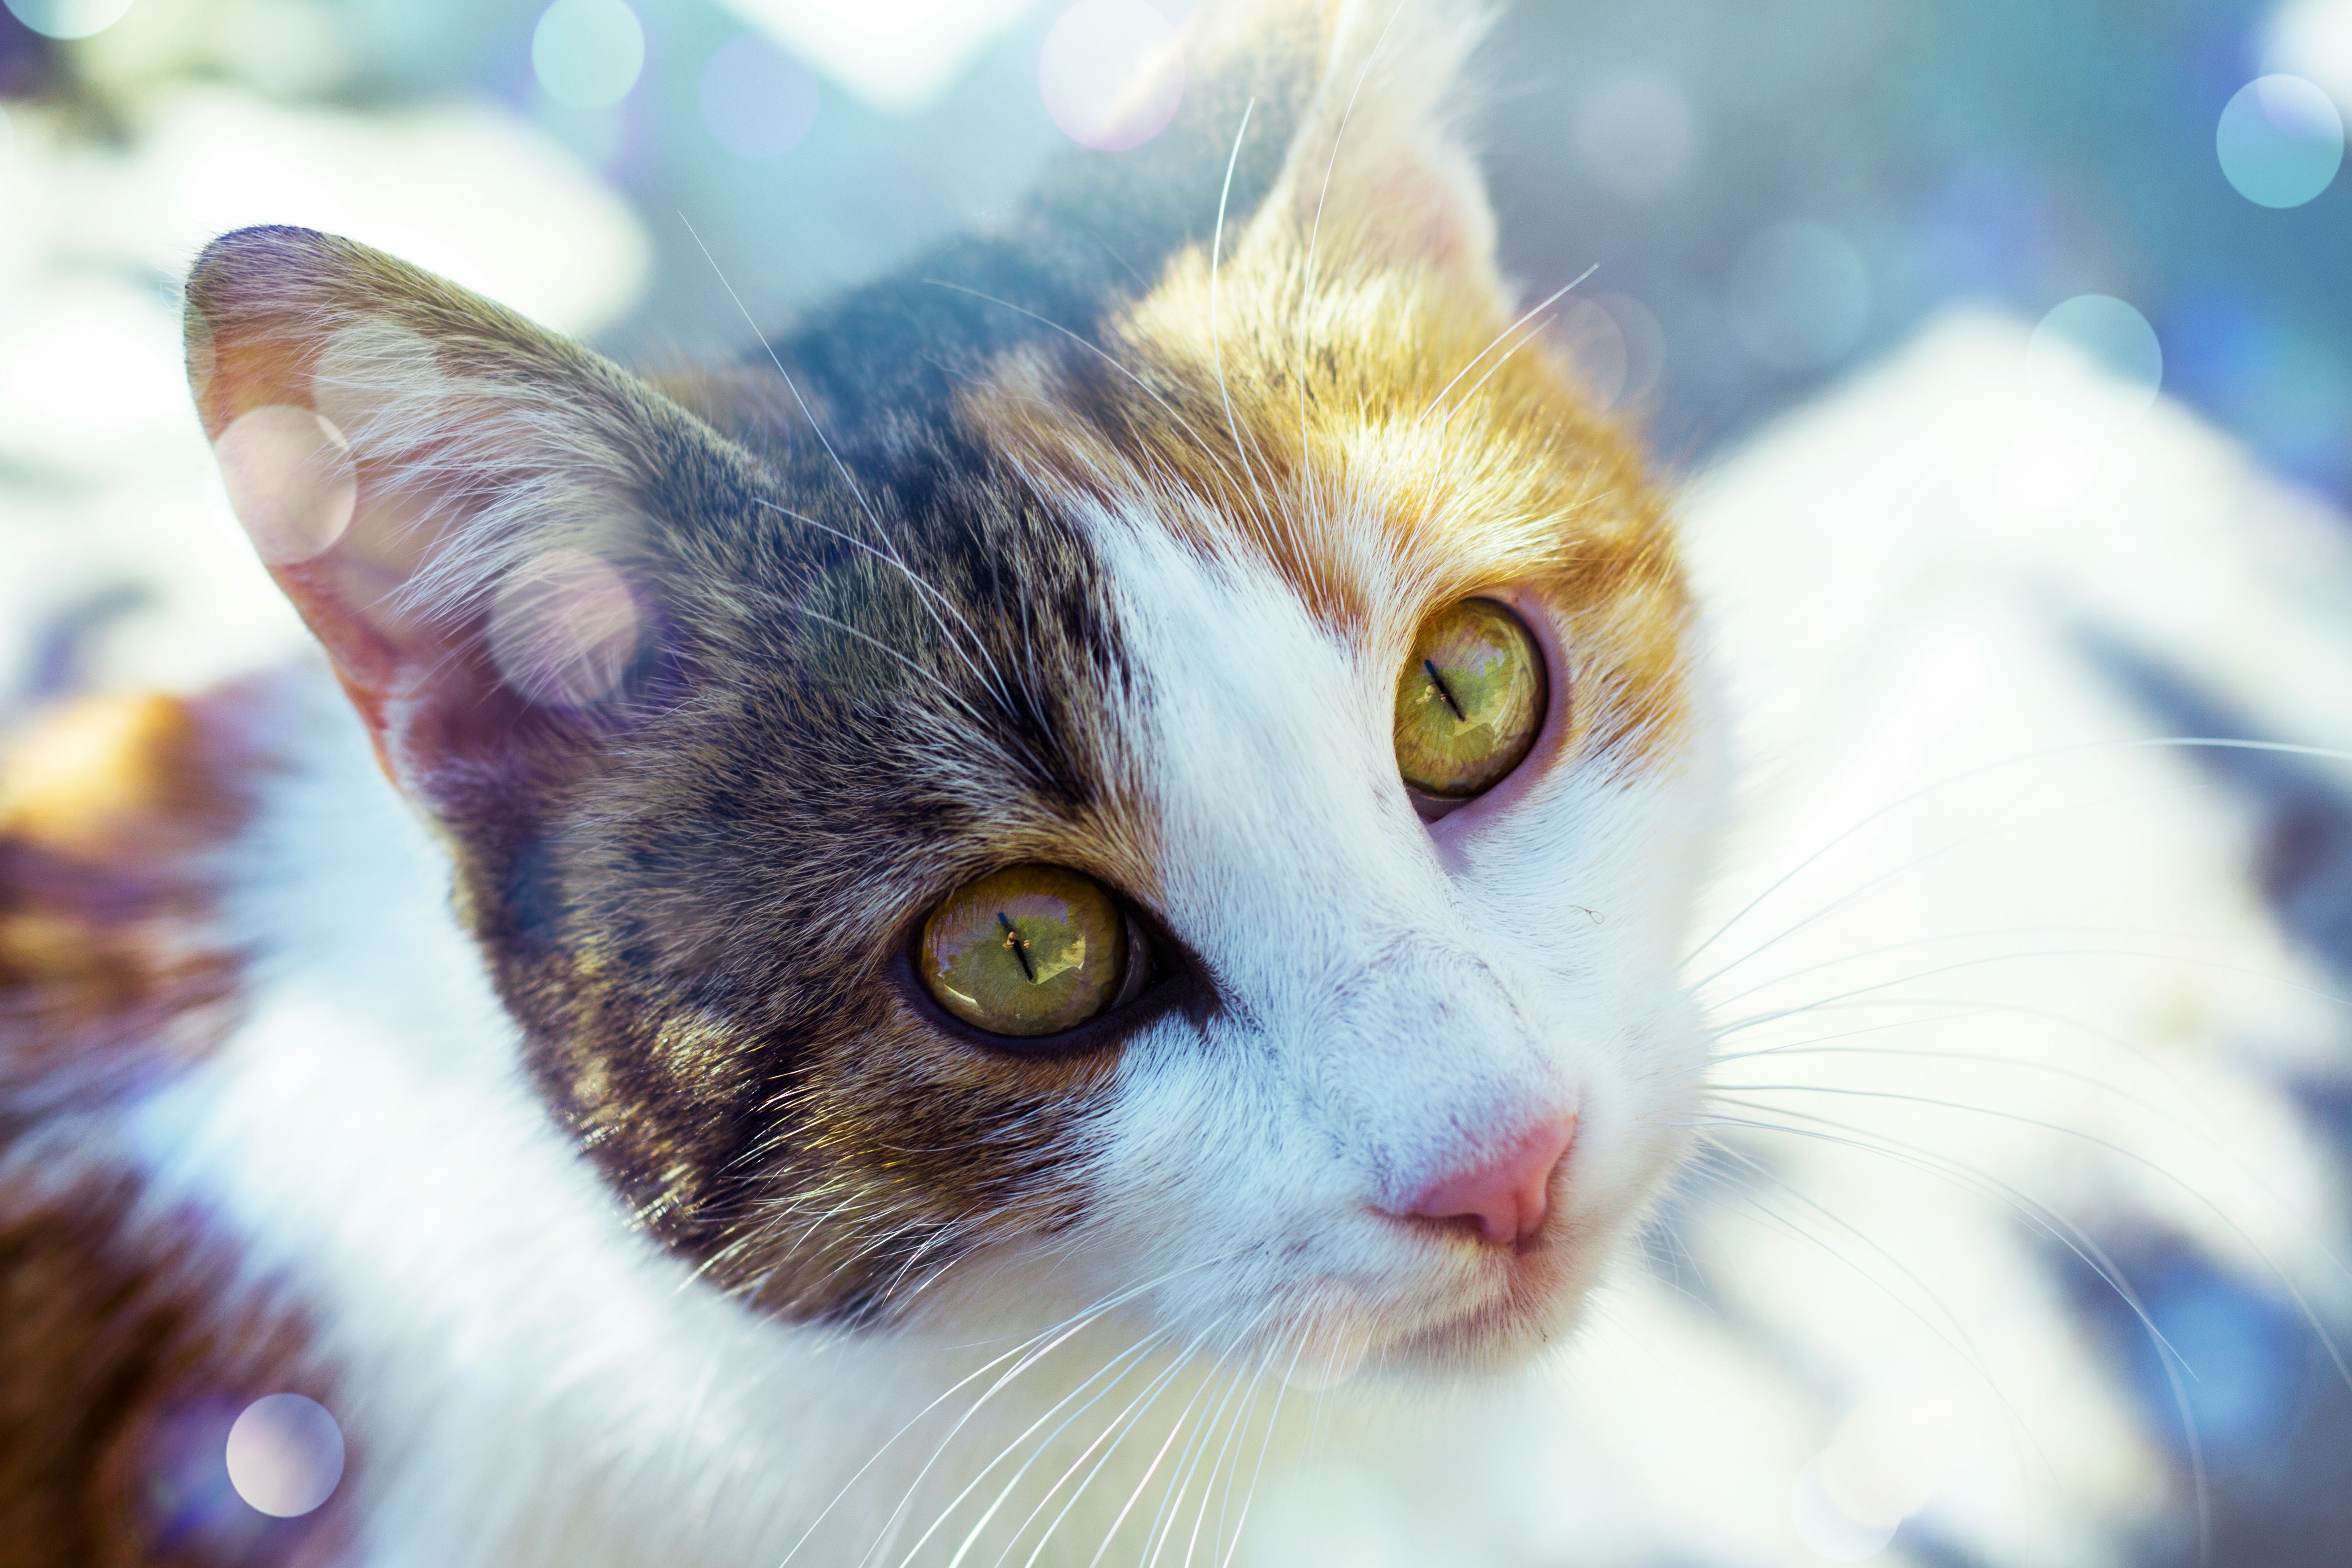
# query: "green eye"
{"points": [[1030, 950], [1469, 700]]}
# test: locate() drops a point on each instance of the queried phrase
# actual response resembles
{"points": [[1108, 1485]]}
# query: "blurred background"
{"points": [[1771, 192], [1772, 196]]}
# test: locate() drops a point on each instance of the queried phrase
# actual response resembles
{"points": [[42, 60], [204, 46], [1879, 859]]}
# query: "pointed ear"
{"points": [[456, 502], [1379, 170]]}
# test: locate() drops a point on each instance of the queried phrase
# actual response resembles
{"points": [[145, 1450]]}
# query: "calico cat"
{"points": [[963, 941]]}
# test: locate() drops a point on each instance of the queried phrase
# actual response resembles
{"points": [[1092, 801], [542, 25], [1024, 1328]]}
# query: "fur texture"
{"points": [[648, 1211]]}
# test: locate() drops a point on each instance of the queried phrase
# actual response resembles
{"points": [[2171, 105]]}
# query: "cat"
{"points": [[969, 940]]}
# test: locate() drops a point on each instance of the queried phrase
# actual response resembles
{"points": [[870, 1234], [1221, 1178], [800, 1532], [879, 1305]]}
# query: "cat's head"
{"points": [[1153, 756]]}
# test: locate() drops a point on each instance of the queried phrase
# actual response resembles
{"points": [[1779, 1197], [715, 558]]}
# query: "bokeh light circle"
{"points": [[2112, 335], [285, 1455], [757, 102], [2280, 140], [290, 481], [1822, 1525], [1617, 346], [1799, 296], [587, 54], [1110, 74], [69, 18], [1636, 132], [564, 629]]}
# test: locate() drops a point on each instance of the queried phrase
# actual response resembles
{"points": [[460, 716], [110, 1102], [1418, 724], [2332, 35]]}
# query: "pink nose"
{"points": [[1505, 1197]]}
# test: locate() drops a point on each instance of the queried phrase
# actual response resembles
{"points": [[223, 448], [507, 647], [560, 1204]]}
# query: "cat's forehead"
{"points": [[1246, 458]]}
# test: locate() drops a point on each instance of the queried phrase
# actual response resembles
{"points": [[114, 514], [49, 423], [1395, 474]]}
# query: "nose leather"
{"points": [[1505, 1197]]}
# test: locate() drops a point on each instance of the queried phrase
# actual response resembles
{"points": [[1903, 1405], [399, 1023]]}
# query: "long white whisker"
{"points": [[1965, 840], [1069, 1325], [1116, 1370], [1533, 310], [1216, 337], [2139, 743], [1108, 1440], [2020, 1118], [2214, 965], [2042, 1216], [1175, 1430], [2071, 1236], [1958, 1338]]}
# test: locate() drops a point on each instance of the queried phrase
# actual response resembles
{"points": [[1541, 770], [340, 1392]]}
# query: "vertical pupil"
{"points": [[1469, 700], [1026, 951], [1437, 679], [1019, 944]]}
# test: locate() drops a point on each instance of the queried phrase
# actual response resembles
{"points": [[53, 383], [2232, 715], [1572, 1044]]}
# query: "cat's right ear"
{"points": [[1379, 168], [458, 503]]}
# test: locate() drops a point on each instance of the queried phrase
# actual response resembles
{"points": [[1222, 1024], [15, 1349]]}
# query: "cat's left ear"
{"points": [[467, 509], [1380, 171]]}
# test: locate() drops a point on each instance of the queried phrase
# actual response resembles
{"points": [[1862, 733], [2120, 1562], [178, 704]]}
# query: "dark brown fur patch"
{"points": [[695, 896], [128, 1347], [127, 1344]]}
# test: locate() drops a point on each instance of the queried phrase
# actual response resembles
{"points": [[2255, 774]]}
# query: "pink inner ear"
{"points": [[344, 543]]}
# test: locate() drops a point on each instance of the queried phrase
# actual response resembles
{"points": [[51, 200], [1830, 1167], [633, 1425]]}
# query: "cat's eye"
{"points": [[1469, 702], [1030, 951]]}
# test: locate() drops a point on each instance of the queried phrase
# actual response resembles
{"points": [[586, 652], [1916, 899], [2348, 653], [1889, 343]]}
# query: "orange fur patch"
{"points": [[1388, 440], [109, 957]]}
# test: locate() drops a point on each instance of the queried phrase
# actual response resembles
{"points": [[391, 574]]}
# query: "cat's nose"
{"points": [[1506, 1197]]}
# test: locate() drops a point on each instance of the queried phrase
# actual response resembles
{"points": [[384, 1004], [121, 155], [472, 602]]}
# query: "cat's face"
{"points": [[720, 717]]}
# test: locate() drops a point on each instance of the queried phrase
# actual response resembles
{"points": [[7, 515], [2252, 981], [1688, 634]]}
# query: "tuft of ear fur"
{"points": [[1379, 171], [457, 501]]}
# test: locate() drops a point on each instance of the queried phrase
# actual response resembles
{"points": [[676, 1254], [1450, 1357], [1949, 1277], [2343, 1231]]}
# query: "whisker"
{"points": [[1139, 1349], [2239, 1231], [1964, 841], [1188, 1463], [1216, 338], [1266, 1447], [1533, 310], [1073, 1324], [1144, 1482], [1109, 1439], [2046, 1219], [2136, 742], [2036, 1212], [1964, 1344], [2214, 965], [933, 600], [1936, 938]]}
